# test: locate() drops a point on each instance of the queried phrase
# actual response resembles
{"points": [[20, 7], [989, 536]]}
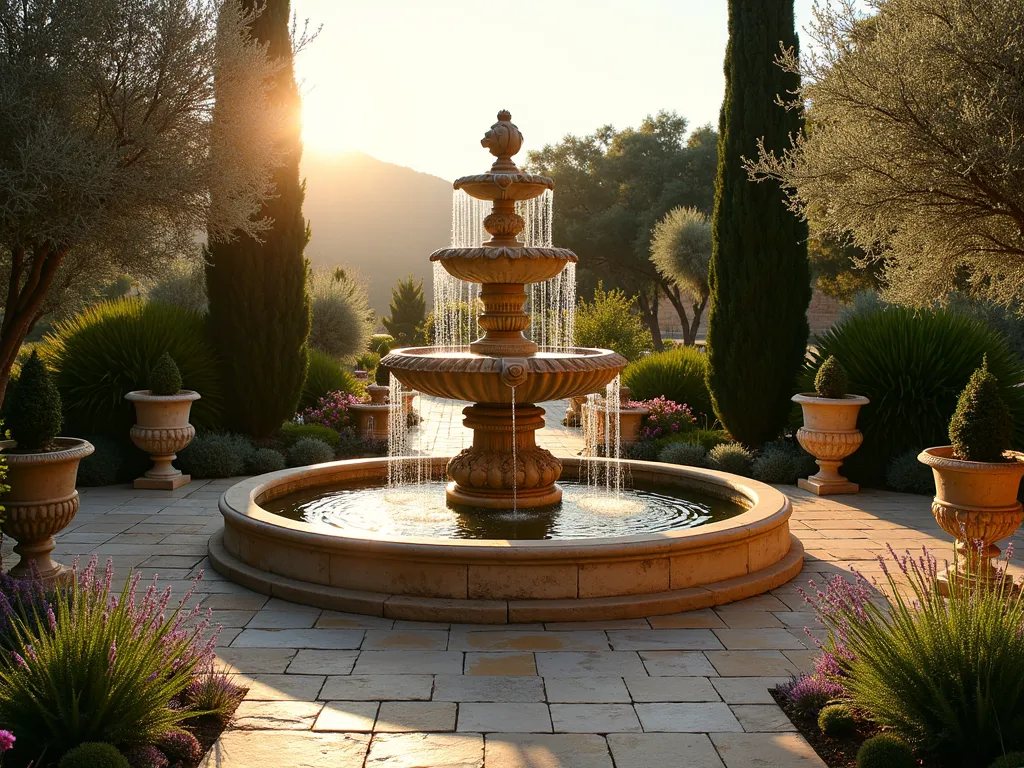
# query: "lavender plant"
{"points": [[946, 674], [88, 665]]}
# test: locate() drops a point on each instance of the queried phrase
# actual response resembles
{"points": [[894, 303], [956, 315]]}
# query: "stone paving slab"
{"points": [[326, 688]]}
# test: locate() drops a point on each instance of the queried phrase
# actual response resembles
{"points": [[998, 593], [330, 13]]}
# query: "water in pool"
{"points": [[420, 510]]}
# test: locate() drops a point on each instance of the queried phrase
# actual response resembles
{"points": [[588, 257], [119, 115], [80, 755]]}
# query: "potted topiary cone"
{"points": [[830, 431], [161, 424], [977, 479], [41, 472]]}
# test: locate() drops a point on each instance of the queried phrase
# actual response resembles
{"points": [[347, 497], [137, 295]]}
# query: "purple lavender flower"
{"points": [[809, 694], [112, 656], [6, 741], [51, 620], [181, 747], [19, 660], [145, 757]]}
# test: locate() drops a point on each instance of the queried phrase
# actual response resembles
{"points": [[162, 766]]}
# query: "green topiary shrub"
{"points": [[677, 375], [109, 350], [885, 750], [685, 454], [912, 365], [264, 460], [214, 455], [730, 457], [165, 378], [837, 721], [905, 473], [93, 754], [308, 451], [324, 375], [291, 434], [831, 380], [1012, 760], [981, 427], [34, 413]]}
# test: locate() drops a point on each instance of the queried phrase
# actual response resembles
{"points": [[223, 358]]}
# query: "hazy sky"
{"points": [[417, 82]]}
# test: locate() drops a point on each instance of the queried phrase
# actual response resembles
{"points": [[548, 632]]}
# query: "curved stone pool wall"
{"points": [[499, 581]]}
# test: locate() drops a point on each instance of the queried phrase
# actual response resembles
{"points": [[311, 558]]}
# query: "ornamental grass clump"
{"points": [[165, 378], [88, 665], [945, 674], [982, 427], [213, 692], [831, 380], [33, 408], [684, 454], [732, 458]]}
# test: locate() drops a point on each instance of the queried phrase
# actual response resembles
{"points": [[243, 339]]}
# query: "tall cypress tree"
{"points": [[760, 278], [259, 305]]}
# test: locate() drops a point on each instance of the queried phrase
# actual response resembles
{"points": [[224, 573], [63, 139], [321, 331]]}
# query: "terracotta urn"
{"points": [[975, 503], [829, 434], [161, 430], [42, 501], [372, 419]]}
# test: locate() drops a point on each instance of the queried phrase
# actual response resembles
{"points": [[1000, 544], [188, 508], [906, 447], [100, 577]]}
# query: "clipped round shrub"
{"points": [[264, 460], [685, 454], [775, 466], [905, 473], [981, 427], [146, 757], [115, 460], [323, 376], [215, 455], [886, 750], [109, 350], [308, 451], [837, 721], [912, 365], [831, 380], [677, 374], [1012, 760], [181, 747], [730, 457], [34, 412], [165, 378], [94, 754]]}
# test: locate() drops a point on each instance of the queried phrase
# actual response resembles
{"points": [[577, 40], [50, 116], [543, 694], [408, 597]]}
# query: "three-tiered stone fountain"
{"points": [[504, 373], [337, 536]]}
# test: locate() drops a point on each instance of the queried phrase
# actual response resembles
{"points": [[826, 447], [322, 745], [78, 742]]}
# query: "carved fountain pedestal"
{"points": [[504, 373]]}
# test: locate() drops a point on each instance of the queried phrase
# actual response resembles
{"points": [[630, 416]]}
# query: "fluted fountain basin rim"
{"points": [[501, 581], [504, 186], [461, 375], [504, 263]]}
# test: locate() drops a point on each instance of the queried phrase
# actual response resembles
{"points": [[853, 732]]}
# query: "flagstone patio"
{"points": [[347, 691]]}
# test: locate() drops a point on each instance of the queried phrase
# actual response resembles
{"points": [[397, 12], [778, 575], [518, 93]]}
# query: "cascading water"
{"points": [[603, 440]]}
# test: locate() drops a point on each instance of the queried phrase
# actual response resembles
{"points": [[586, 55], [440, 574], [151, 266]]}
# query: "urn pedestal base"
{"points": [[823, 485], [148, 483], [482, 475]]}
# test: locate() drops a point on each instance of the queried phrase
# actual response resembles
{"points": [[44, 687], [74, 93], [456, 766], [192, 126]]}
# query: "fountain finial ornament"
{"points": [[503, 140]]}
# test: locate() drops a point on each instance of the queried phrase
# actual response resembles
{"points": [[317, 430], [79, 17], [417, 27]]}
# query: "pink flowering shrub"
{"points": [[666, 417], [945, 673], [86, 664], [332, 410]]}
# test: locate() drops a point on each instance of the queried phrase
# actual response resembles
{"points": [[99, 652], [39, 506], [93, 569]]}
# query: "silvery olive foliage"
{"points": [[914, 146], [342, 321], [110, 159]]}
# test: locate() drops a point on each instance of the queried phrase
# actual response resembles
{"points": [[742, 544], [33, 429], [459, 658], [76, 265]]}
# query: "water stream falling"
{"points": [[603, 440]]}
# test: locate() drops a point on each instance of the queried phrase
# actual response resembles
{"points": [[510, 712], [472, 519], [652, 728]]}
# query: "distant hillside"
{"points": [[379, 219]]}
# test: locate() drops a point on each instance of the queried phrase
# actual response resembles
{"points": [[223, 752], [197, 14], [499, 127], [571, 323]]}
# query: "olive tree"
{"points": [[915, 143], [681, 251], [342, 321], [110, 160]]}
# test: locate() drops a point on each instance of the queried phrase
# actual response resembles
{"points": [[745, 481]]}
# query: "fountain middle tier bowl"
{"points": [[516, 264], [686, 538], [462, 375]]}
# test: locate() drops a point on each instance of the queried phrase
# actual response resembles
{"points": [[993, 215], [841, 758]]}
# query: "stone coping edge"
{"points": [[475, 611]]}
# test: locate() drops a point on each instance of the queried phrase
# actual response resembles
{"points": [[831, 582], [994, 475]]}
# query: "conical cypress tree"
{"points": [[408, 313], [259, 306], [759, 276]]}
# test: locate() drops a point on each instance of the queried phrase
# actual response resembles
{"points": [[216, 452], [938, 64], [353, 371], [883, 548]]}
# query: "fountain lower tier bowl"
{"points": [[373, 570], [462, 375]]}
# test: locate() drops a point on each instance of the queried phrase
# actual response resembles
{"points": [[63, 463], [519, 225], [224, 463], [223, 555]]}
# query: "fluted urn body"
{"points": [[503, 372], [42, 501], [162, 429], [829, 434]]}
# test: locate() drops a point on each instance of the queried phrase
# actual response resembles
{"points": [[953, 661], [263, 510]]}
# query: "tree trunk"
{"points": [[649, 312], [25, 296], [698, 313]]}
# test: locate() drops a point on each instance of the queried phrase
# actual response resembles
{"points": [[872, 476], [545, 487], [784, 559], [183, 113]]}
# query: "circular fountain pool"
{"points": [[332, 536]]}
